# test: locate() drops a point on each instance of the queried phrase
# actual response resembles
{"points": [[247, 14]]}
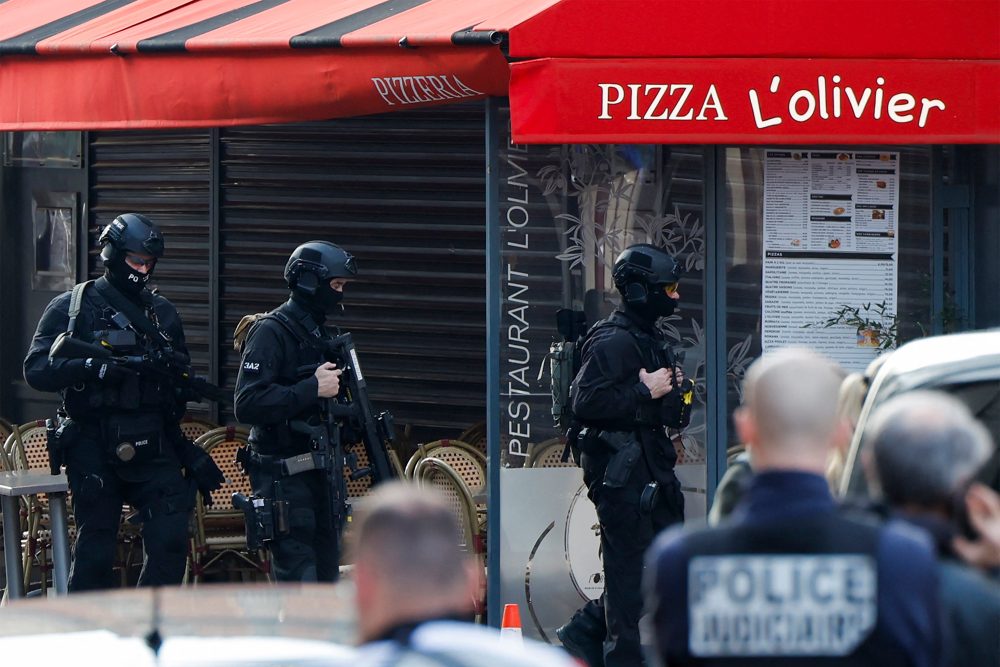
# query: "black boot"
{"points": [[583, 637]]}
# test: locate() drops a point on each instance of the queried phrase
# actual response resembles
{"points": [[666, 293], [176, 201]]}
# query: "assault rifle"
{"points": [[166, 363], [377, 431], [349, 413], [352, 410]]}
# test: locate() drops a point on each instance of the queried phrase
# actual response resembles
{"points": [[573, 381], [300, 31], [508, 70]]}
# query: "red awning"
{"points": [[656, 71], [758, 72], [87, 64]]}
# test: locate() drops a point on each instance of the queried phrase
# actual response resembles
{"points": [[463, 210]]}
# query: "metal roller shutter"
{"points": [[405, 194], [165, 175]]}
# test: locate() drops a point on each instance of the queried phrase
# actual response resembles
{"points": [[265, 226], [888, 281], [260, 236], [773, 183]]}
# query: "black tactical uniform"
{"points": [[119, 434], [276, 387], [627, 458]]}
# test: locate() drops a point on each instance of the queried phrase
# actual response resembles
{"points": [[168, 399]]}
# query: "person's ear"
{"points": [[365, 583], [842, 434], [746, 427], [473, 580]]}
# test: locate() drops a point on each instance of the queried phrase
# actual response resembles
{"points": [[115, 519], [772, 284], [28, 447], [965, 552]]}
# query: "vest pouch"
{"points": [[134, 438], [627, 452], [129, 392]]}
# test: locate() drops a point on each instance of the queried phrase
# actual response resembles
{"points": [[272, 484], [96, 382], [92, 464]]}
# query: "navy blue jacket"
{"points": [[724, 593]]}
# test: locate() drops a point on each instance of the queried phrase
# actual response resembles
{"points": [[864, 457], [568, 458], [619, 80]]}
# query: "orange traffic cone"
{"points": [[510, 627]]}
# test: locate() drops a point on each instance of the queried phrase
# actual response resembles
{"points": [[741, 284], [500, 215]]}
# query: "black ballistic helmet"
{"points": [[640, 274], [312, 266], [129, 233]]}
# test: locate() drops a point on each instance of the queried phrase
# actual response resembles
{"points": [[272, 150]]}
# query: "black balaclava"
{"points": [[135, 233], [127, 280], [309, 271], [657, 305]]}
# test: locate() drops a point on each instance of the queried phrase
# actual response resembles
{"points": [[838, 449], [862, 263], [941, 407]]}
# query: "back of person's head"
{"points": [[408, 563], [790, 407], [926, 446]]}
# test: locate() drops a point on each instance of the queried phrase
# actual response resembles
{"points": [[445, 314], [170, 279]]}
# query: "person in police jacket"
{"points": [[788, 578], [272, 392], [119, 436], [628, 391]]}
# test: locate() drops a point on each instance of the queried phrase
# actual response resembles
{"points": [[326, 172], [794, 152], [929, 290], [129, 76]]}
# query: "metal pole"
{"points": [[214, 289], [493, 297], [60, 543], [716, 435], [12, 547], [937, 239]]}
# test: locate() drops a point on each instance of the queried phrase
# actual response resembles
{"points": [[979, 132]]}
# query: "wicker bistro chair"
{"points": [[466, 460], [549, 454], [6, 429], [195, 428], [432, 472], [219, 535], [475, 435], [25, 449]]}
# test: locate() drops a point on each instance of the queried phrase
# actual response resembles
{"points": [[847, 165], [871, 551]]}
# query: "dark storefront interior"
{"points": [[403, 192]]}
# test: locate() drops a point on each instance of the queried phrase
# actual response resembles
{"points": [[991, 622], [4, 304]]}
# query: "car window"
{"points": [[983, 399]]}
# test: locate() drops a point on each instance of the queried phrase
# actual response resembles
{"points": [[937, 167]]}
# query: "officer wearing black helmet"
{"points": [[628, 390], [272, 393], [119, 433]]}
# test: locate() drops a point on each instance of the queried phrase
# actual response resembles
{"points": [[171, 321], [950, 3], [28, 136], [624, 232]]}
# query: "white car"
{"points": [[215, 625], [966, 365]]}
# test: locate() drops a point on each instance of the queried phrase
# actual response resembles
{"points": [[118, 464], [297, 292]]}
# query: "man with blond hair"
{"points": [[788, 578], [415, 589]]}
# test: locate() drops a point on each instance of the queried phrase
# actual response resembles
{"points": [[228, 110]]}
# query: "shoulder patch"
{"points": [[251, 366]]}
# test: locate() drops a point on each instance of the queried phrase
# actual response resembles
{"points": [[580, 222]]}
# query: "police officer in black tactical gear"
{"points": [[283, 381], [118, 432], [628, 391]]}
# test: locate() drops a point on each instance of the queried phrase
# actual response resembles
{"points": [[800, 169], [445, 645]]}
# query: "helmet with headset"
{"points": [[133, 237], [312, 266], [646, 276]]}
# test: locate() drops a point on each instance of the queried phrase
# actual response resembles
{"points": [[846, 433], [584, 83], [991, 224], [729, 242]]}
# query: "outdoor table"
{"points": [[31, 483]]}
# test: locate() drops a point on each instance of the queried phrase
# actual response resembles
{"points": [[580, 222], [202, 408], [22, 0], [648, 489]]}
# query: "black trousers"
{"points": [[158, 491], [310, 551], [626, 534]]}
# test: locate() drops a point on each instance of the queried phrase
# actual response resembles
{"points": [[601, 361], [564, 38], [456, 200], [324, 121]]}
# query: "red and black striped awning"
{"points": [[656, 71], [86, 64]]}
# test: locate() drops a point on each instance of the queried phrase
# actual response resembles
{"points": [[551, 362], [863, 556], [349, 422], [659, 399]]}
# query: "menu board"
{"points": [[829, 241]]}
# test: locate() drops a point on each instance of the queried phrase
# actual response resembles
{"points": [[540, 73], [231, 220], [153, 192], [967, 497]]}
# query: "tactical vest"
{"points": [[278, 439], [787, 594], [654, 354], [140, 392]]}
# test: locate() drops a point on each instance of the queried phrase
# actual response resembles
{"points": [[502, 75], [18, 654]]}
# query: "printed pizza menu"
{"points": [[829, 241]]}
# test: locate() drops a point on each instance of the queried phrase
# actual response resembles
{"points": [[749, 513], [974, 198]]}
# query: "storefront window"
{"points": [[42, 149], [566, 213], [54, 242], [887, 249]]}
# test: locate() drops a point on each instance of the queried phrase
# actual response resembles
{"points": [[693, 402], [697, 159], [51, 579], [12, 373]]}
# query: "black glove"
{"points": [[103, 370], [200, 467]]}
